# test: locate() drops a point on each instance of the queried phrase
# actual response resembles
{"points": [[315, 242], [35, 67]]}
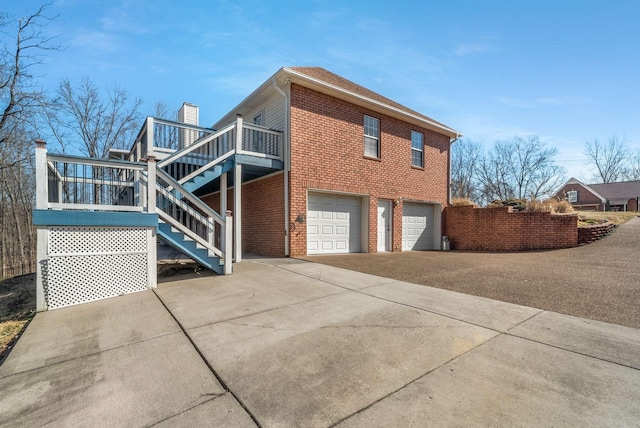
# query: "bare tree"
{"points": [[170, 136], [633, 167], [521, 168], [23, 44], [465, 158], [609, 159], [99, 124]]}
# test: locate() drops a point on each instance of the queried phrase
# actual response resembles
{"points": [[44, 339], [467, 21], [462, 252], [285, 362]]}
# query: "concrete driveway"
{"points": [[293, 343]]}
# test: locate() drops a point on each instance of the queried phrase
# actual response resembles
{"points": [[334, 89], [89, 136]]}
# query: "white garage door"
{"points": [[417, 227], [333, 224]]}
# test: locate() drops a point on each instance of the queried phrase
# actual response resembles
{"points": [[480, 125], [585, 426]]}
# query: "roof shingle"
{"points": [[326, 76]]}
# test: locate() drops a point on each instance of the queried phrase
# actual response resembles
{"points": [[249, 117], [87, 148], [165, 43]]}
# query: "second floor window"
{"points": [[417, 149], [371, 137], [572, 196]]}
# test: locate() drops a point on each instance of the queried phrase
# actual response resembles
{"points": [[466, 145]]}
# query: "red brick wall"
{"points": [[500, 229], [262, 215], [327, 152]]}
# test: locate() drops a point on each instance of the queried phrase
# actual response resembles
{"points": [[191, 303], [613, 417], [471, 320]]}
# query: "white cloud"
{"points": [[95, 42], [465, 49], [513, 102]]}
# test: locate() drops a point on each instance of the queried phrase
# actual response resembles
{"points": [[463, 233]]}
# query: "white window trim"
{"points": [[421, 150], [372, 137], [572, 196]]}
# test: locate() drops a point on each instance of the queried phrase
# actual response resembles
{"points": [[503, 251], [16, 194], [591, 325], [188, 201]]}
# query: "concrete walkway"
{"points": [[291, 343]]}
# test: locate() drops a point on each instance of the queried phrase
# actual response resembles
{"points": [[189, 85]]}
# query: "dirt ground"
{"points": [[17, 306], [598, 281]]}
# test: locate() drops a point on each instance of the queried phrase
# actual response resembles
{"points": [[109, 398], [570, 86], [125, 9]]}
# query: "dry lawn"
{"points": [[615, 217], [17, 306]]}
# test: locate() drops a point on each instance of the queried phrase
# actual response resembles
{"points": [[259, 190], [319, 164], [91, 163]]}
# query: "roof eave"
{"points": [[338, 92]]}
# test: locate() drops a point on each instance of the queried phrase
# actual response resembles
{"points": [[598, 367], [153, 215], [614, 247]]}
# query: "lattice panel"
{"points": [[116, 264], [74, 240]]}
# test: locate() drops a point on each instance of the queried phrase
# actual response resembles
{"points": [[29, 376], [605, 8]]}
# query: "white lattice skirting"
{"points": [[92, 263]]}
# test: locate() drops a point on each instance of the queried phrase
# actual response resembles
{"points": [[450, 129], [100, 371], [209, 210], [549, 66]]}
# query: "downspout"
{"points": [[453, 140], [285, 159]]}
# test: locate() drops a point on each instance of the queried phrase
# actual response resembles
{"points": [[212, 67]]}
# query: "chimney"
{"points": [[188, 114]]}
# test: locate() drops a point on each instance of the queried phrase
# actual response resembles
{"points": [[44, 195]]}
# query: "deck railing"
{"points": [[76, 183], [163, 137], [187, 213], [191, 147]]}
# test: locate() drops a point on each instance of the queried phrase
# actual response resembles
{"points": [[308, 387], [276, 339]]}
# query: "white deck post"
{"points": [[149, 142], [151, 184], [238, 133], [237, 212], [223, 193], [224, 239], [42, 199], [228, 249], [152, 245], [237, 194]]}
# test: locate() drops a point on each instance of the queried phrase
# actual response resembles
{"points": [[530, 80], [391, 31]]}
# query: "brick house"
{"points": [[360, 172], [620, 196], [309, 163]]}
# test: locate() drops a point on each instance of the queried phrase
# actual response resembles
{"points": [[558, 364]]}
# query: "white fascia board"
{"points": [[329, 89], [244, 104], [580, 183]]}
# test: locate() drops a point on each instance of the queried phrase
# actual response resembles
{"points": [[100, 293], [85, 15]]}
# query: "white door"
{"points": [[417, 227], [334, 224], [384, 225]]}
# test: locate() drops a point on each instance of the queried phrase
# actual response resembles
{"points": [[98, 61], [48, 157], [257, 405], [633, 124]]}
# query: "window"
{"points": [[572, 196], [417, 147], [371, 137]]}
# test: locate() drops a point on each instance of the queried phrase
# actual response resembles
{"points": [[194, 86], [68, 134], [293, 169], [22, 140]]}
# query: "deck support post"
{"points": [[223, 193], [228, 249], [237, 212], [42, 199], [152, 244], [237, 194]]}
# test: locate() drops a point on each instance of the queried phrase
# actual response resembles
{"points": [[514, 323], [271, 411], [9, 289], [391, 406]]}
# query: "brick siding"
{"points": [[327, 153], [262, 215], [500, 229]]}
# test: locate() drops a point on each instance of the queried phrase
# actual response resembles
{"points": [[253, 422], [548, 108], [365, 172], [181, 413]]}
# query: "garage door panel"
{"points": [[417, 227], [334, 224]]}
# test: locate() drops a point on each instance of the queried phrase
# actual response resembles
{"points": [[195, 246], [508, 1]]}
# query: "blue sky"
{"points": [[564, 70]]}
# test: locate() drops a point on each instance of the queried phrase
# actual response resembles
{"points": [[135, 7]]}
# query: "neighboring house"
{"points": [[309, 163], [621, 196], [361, 173]]}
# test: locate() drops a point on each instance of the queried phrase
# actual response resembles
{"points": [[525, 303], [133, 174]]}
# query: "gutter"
{"points": [[285, 159]]}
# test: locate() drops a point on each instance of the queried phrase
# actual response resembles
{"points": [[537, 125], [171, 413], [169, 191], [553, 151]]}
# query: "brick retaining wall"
{"points": [[589, 234], [501, 229]]}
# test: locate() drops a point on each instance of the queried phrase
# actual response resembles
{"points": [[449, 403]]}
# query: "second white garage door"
{"points": [[417, 227], [334, 224]]}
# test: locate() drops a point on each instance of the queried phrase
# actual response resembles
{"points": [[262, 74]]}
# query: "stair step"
{"points": [[200, 255], [208, 176]]}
